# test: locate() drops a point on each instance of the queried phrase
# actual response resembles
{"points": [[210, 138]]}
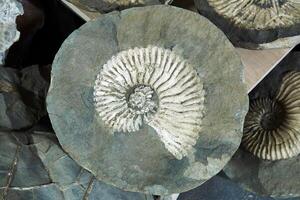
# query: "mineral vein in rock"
{"points": [[259, 14], [272, 127], [152, 87]]}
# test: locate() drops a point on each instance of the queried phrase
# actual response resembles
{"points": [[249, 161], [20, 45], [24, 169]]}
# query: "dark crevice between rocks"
{"points": [[44, 27]]}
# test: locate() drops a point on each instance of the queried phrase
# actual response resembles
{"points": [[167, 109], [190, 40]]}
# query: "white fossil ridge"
{"points": [[156, 87]]}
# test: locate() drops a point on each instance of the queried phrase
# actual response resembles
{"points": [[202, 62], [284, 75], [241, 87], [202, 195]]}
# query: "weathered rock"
{"points": [[165, 152], [22, 96], [278, 178], [110, 5], [221, 188], [255, 24], [33, 166], [9, 10]]}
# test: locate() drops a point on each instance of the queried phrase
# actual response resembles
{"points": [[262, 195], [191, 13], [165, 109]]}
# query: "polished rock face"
{"points": [[274, 169], [255, 23], [147, 102], [9, 10], [33, 166]]}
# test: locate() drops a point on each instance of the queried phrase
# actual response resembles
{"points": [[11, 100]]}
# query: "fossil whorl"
{"points": [[272, 127], [259, 14], [152, 87]]}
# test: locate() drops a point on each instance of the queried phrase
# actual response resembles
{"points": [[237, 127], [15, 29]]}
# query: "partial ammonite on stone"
{"points": [[255, 23], [9, 10], [272, 126], [144, 100]]}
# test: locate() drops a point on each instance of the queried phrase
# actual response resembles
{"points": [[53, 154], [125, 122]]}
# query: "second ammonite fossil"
{"points": [[272, 126], [255, 23], [268, 161], [147, 102]]}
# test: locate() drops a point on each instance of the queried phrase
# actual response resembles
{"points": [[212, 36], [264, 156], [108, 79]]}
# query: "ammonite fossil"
{"points": [[136, 96], [9, 10], [267, 162], [255, 23], [110, 5], [271, 126], [156, 87]]}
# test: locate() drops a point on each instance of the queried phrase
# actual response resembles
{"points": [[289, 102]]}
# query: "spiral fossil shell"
{"points": [[155, 87], [259, 14], [272, 127], [145, 102]]}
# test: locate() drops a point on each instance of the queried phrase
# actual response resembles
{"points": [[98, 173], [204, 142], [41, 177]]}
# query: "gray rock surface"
{"points": [[255, 24], [33, 166], [9, 10], [22, 96], [280, 178], [110, 5], [220, 188], [138, 161]]}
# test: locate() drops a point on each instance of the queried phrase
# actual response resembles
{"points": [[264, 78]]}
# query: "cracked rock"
{"points": [[33, 166], [22, 96]]}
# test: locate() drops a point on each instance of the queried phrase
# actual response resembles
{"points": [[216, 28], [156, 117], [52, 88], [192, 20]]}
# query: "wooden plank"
{"points": [[258, 63]]}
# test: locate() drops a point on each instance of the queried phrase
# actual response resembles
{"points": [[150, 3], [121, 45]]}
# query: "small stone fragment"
{"points": [[9, 10]]}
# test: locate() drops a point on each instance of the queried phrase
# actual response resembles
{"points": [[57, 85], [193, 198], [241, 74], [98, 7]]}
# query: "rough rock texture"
{"points": [[220, 188], [33, 166], [255, 24], [110, 5], [22, 96], [9, 10], [140, 161], [270, 178]]}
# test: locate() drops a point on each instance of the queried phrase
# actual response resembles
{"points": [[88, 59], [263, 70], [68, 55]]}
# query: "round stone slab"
{"points": [[149, 99], [255, 24]]}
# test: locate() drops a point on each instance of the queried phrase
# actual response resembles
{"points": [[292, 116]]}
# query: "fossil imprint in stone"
{"points": [[259, 14], [152, 87], [272, 127]]}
